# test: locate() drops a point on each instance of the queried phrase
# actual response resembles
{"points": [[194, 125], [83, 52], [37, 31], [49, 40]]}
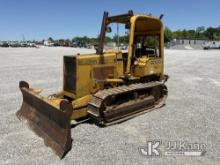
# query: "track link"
{"points": [[114, 105]]}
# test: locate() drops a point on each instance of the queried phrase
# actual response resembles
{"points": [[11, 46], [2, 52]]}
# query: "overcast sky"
{"points": [[40, 19]]}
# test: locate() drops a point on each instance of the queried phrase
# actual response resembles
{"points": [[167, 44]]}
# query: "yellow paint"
{"points": [[81, 101], [145, 25], [86, 82]]}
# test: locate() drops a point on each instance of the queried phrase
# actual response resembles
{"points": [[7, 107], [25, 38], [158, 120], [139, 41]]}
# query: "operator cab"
{"points": [[147, 37], [146, 43], [146, 46]]}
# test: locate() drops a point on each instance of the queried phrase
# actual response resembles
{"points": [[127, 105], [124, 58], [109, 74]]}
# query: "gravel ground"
{"points": [[191, 114]]}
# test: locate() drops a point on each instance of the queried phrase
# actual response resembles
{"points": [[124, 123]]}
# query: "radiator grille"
{"points": [[70, 74]]}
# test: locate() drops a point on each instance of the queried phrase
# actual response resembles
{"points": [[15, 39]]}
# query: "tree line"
{"points": [[85, 41], [210, 33]]}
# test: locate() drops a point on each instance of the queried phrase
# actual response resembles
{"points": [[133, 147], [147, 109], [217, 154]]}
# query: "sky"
{"points": [[41, 19]]}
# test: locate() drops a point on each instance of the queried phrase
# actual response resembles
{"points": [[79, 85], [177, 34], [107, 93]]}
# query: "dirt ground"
{"points": [[191, 113]]}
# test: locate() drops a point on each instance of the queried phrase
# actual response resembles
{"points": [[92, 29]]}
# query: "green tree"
{"points": [[199, 32], [184, 33], [218, 33], [108, 39], [50, 39], [210, 33], [177, 34], [168, 35], [191, 34], [124, 39]]}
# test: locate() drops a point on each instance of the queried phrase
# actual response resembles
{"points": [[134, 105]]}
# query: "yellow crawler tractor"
{"points": [[107, 87]]}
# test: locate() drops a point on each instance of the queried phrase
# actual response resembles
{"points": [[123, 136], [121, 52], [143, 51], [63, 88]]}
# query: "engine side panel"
{"points": [[93, 69]]}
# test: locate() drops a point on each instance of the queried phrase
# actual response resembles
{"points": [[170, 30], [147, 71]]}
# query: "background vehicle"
{"points": [[211, 45]]}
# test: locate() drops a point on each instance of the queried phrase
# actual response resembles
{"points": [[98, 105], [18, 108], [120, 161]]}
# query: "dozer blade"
{"points": [[47, 121]]}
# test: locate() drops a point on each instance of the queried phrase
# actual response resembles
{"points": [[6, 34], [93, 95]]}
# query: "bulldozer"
{"points": [[107, 87]]}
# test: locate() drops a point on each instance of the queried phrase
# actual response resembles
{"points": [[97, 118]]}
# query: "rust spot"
{"points": [[101, 73], [52, 124]]}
